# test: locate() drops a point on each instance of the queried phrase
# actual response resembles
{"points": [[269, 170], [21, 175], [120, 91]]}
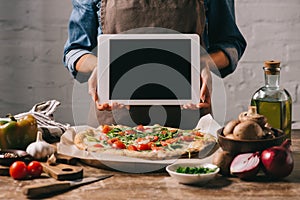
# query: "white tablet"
{"points": [[149, 69]]}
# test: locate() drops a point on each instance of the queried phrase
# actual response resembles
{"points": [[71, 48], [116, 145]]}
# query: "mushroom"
{"points": [[248, 130], [223, 160], [252, 114], [268, 132], [228, 129], [230, 136]]}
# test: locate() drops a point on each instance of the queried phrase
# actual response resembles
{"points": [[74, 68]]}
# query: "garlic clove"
{"points": [[40, 149], [52, 160]]}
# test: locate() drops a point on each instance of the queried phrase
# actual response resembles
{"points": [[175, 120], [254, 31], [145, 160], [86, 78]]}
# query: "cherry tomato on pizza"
{"points": [[118, 145], [112, 140], [143, 147], [140, 128], [106, 129], [132, 148]]}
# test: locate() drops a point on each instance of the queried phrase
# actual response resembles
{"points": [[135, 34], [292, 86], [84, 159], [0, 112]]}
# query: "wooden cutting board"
{"points": [[63, 171], [4, 170]]}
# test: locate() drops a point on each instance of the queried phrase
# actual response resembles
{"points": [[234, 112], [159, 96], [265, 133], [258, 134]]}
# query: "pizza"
{"points": [[146, 142]]}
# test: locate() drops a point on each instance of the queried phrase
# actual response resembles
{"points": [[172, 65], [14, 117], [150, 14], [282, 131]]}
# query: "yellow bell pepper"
{"points": [[18, 134]]}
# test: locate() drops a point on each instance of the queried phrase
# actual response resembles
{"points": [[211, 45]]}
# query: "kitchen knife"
{"points": [[56, 187]]}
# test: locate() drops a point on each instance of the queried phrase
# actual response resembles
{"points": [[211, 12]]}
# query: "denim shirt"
{"points": [[221, 32]]}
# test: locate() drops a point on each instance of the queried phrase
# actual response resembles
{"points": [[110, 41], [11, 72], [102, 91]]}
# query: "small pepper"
{"points": [[18, 134]]}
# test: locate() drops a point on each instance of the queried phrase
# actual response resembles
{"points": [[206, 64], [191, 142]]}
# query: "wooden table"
{"points": [[162, 186]]}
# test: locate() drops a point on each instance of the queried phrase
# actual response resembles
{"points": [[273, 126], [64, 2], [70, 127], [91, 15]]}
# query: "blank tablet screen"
{"points": [[150, 69]]}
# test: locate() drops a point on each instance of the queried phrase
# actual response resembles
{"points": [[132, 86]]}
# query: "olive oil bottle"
{"points": [[272, 101]]}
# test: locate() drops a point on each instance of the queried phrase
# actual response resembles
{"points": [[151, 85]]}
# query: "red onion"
{"points": [[245, 166], [278, 161]]}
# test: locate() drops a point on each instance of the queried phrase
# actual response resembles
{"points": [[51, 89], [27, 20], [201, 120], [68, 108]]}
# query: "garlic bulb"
{"points": [[40, 149]]}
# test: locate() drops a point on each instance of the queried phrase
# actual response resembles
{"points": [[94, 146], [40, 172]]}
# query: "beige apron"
{"points": [[184, 16]]}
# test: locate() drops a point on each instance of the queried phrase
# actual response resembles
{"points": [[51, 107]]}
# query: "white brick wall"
{"points": [[272, 31], [32, 35]]}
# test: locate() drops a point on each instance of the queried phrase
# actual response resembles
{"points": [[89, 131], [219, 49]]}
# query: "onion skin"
{"points": [[278, 160], [245, 166]]}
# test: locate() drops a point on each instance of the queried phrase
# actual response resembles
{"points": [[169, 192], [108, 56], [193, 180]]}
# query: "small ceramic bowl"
{"points": [[17, 155], [192, 179], [245, 146]]}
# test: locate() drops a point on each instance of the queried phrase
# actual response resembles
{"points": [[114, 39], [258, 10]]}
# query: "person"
{"points": [[212, 20]]}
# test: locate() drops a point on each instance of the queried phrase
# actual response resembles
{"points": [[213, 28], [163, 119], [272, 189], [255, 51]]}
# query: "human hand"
{"points": [[206, 86], [92, 90]]}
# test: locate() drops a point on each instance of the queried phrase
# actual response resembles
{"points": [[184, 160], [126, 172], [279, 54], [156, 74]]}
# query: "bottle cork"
{"points": [[272, 67]]}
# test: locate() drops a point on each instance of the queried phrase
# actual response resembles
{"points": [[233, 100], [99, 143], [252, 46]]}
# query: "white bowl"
{"points": [[198, 179]]}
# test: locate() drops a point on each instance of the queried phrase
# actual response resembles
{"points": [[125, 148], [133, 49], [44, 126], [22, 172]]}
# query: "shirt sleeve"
{"points": [[83, 31], [223, 33]]}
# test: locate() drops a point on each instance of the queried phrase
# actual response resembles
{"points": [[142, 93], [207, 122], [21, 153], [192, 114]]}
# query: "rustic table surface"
{"points": [[162, 186]]}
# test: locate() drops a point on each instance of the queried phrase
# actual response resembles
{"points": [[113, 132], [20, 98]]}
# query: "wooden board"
{"points": [[63, 171], [4, 170]]}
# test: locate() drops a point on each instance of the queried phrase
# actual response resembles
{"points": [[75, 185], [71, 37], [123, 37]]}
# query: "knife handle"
{"points": [[47, 188]]}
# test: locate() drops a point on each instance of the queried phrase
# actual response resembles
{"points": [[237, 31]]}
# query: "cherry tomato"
{"points": [[35, 169], [155, 138], [154, 148], [140, 128], [138, 140], [143, 147], [151, 144], [118, 145], [98, 145], [105, 129], [173, 130], [112, 140], [171, 140], [164, 132], [164, 143], [187, 138], [18, 170], [122, 133], [199, 134], [130, 132], [132, 148]]}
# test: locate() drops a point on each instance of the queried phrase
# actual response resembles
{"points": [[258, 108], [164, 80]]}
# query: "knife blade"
{"points": [[59, 186]]}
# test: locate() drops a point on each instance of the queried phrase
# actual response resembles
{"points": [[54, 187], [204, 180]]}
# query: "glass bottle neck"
{"points": [[272, 81]]}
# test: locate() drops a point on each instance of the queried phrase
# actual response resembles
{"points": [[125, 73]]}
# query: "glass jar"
{"points": [[272, 101]]}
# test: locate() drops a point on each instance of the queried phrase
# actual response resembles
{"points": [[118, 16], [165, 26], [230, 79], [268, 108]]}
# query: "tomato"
{"points": [[154, 148], [140, 128], [187, 138], [105, 129], [164, 132], [173, 130], [155, 138], [118, 145], [171, 140], [143, 147], [112, 140], [132, 148], [98, 145], [18, 170], [122, 133], [164, 143], [199, 134], [151, 144], [35, 169], [129, 132], [138, 140]]}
